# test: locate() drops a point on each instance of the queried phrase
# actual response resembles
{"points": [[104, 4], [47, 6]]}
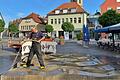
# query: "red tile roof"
{"points": [[35, 17], [69, 5]]}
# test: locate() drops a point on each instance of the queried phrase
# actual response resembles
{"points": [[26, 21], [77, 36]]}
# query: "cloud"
{"points": [[20, 14]]}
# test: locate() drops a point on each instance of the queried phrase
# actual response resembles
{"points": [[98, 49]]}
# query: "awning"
{"points": [[110, 29], [105, 29], [115, 27]]}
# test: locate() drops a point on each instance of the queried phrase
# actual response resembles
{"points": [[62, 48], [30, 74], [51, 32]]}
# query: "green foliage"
{"points": [[46, 36], [67, 27], [111, 17], [61, 39], [2, 24], [13, 28], [49, 28], [79, 36]]}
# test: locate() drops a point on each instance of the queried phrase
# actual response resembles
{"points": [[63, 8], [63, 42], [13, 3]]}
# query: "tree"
{"points": [[67, 27], [79, 36], [111, 17], [13, 29], [49, 28], [2, 24]]}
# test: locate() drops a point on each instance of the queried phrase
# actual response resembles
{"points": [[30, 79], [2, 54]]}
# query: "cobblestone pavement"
{"points": [[7, 56], [72, 62], [108, 56], [77, 48]]}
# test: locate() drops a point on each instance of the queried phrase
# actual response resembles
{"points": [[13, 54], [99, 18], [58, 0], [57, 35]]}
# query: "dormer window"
{"points": [[27, 21], [74, 0], [109, 8], [57, 11], [118, 0], [65, 11], [73, 10]]}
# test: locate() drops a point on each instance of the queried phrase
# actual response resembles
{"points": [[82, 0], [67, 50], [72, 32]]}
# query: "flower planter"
{"points": [[48, 39], [61, 42]]}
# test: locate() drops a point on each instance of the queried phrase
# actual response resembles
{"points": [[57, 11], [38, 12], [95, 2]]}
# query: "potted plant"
{"points": [[61, 42]]}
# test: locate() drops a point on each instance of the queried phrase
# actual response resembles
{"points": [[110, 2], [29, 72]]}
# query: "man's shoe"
{"points": [[42, 67], [31, 64], [24, 65]]}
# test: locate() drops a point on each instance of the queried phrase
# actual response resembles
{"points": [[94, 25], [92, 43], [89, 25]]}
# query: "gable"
{"points": [[28, 22]]}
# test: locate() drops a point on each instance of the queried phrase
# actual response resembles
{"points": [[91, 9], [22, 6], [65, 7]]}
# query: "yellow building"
{"points": [[68, 12], [32, 20]]}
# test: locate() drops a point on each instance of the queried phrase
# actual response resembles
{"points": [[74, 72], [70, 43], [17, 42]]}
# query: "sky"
{"points": [[13, 9]]}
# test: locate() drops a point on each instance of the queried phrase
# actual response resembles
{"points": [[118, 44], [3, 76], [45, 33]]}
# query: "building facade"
{"points": [[68, 12], [32, 20], [110, 4], [93, 24]]}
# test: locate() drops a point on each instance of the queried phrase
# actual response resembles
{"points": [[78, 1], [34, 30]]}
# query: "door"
{"points": [[61, 33]]}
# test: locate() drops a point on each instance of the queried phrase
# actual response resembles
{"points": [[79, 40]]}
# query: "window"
{"points": [[55, 21], [51, 21], [27, 21], [62, 20], [73, 10], [58, 21], [118, 0], [79, 20], [79, 1], [74, 0], [27, 27], [75, 20], [66, 19], [30, 27], [118, 8], [21, 27], [71, 20], [109, 8], [57, 11], [65, 11]]}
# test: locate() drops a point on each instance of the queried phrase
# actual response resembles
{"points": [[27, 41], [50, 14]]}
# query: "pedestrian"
{"points": [[36, 38]]}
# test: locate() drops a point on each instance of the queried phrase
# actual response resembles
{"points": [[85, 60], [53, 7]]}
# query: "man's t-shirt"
{"points": [[36, 36]]}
